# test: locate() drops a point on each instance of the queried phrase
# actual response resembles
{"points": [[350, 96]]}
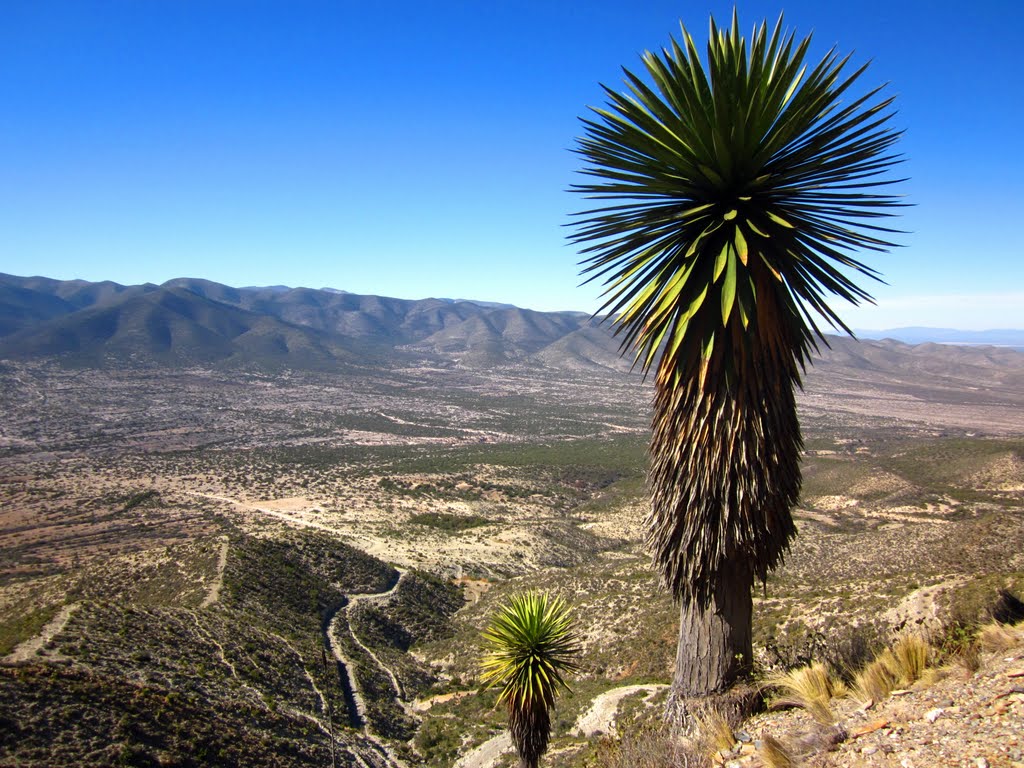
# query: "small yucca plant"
{"points": [[529, 646]]}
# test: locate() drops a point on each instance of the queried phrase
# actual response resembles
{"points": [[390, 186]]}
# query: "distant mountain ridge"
{"points": [[998, 337], [193, 321], [190, 321]]}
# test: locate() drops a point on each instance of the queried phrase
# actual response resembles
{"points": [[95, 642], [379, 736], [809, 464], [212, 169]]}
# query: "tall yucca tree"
{"points": [[738, 190], [529, 645]]}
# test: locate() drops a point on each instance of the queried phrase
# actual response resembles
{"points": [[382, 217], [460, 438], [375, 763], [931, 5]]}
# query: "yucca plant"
{"points": [[529, 646], [735, 192]]}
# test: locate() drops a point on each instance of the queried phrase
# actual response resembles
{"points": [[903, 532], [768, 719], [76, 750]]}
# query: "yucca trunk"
{"points": [[725, 474], [715, 645], [530, 728]]}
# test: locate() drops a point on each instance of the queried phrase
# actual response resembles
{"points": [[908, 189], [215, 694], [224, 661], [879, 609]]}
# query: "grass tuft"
{"points": [[910, 657], [715, 733], [903, 664], [997, 638], [810, 688], [774, 755], [877, 680]]}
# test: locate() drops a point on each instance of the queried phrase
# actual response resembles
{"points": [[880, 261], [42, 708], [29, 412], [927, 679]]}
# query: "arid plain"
{"points": [[204, 566]]}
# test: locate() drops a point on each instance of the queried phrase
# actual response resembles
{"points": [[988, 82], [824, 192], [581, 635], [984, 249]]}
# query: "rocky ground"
{"points": [[957, 716]]}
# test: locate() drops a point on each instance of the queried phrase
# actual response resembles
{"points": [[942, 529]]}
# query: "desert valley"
{"points": [[265, 526]]}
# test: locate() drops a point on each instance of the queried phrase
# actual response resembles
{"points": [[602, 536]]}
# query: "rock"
{"points": [[869, 728], [933, 714], [981, 762], [869, 750]]}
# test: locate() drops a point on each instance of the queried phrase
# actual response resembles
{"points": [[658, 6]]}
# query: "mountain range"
{"points": [[188, 321], [191, 321]]}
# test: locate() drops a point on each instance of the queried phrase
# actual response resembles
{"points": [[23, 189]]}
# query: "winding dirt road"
{"points": [[338, 650], [27, 650]]}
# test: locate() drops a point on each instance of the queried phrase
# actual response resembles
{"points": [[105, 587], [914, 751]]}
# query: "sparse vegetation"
{"points": [[447, 522]]}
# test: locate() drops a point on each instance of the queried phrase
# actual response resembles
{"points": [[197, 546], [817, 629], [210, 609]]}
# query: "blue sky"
{"points": [[422, 149]]}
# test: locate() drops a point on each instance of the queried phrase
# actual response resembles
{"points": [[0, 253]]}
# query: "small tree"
{"points": [[529, 645], [735, 194]]}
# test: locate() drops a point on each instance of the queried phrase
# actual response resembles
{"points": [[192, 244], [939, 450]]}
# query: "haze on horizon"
{"points": [[414, 151]]}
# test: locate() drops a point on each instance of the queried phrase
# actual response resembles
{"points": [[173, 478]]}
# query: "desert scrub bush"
{"points": [[651, 746], [139, 498], [66, 716], [984, 597], [436, 743], [419, 610], [300, 572], [448, 522], [958, 644], [849, 649]]}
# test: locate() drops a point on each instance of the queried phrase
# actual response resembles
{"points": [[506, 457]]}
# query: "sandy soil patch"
{"points": [[214, 593], [833, 503]]}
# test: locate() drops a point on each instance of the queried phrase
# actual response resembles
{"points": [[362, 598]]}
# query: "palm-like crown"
{"points": [[753, 165], [734, 197]]}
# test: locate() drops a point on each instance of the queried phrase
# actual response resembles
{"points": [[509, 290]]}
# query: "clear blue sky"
{"points": [[420, 149]]}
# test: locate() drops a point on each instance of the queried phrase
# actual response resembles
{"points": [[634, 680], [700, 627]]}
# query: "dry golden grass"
{"points": [[897, 667], [877, 680], [648, 746], [910, 657], [810, 688], [714, 732], [774, 755], [997, 638], [968, 658]]}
